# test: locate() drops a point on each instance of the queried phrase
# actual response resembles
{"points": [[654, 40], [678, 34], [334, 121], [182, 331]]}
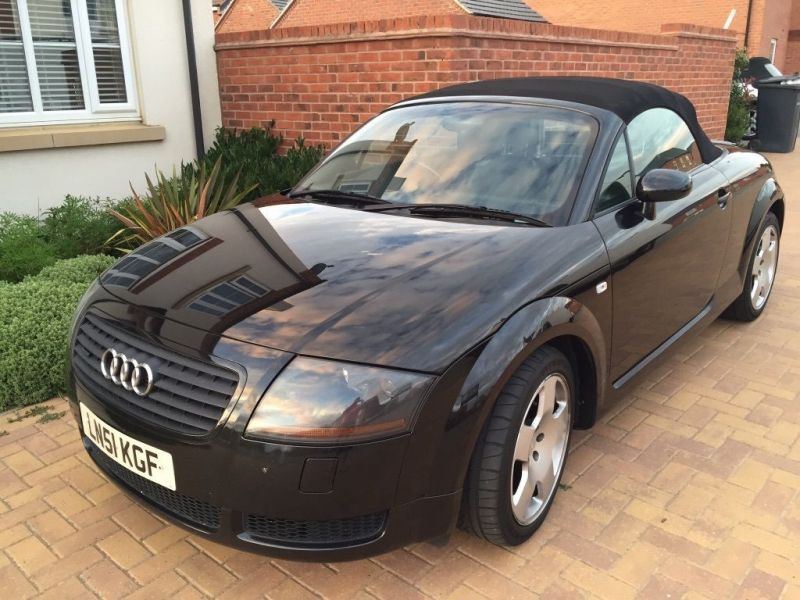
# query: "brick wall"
{"points": [[247, 15], [770, 21], [792, 61], [319, 12], [321, 82], [769, 18], [645, 16]]}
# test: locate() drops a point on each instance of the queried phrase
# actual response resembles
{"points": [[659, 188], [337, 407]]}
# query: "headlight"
{"points": [[316, 400]]}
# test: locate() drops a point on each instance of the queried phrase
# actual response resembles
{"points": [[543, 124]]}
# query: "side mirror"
{"points": [[662, 185]]}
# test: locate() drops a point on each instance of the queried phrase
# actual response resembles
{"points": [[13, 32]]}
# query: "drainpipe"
{"points": [[747, 26], [197, 116]]}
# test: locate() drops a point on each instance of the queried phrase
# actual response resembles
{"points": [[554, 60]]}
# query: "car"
{"points": [[405, 341]]}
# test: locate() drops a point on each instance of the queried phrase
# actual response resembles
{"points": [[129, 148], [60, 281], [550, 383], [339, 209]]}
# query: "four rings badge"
{"points": [[127, 372]]}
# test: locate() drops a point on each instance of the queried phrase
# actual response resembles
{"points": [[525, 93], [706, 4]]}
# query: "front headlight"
{"points": [[315, 400]]}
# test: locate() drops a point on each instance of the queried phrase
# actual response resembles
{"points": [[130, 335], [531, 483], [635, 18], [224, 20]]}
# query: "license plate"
{"points": [[138, 457]]}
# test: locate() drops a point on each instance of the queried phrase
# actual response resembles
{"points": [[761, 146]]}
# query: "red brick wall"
{"points": [[769, 18], [324, 12], [645, 16], [791, 63], [321, 82], [247, 15], [770, 21]]}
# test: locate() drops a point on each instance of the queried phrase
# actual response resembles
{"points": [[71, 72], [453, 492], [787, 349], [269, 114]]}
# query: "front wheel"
{"points": [[761, 271], [520, 456]]}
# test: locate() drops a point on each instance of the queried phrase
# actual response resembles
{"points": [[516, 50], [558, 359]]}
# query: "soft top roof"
{"points": [[627, 99]]}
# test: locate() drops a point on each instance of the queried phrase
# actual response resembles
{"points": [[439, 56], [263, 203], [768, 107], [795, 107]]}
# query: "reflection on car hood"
{"points": [[340, 283]]}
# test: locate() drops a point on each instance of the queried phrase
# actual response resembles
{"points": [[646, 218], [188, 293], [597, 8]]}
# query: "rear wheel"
{"points": [[519, 459], [762, 269]]}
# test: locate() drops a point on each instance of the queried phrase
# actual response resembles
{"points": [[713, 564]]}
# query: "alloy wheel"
{"points": [[540, 449], [764, 267]]}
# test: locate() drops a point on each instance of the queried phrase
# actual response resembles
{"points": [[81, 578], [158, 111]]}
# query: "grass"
{"points": [[33, 411]]}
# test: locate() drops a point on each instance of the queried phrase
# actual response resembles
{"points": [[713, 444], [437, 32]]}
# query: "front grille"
{"points": [[191, 510], [310, 534], [189, 395]]}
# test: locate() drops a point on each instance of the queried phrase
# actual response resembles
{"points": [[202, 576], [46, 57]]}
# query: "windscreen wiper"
{"points": [[481, 212], [339, 197]]}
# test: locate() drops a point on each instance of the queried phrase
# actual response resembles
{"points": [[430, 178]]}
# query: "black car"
{"points": [[406, 339]]}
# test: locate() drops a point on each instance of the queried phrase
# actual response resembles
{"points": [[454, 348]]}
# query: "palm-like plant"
{"points": [[173, 202]]}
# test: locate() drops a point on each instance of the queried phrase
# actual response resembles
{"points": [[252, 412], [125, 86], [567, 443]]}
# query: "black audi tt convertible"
{"points": [[405, 341]]}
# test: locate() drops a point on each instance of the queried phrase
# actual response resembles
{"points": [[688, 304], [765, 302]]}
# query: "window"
{"points": [[526, 159], [617, 187], [773, 48], [660, 139], [64, 61], [138, 265], [226, 297]]}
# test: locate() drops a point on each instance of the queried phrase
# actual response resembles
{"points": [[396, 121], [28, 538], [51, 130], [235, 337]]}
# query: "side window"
{"points": [[660, 139], [616, 187]]}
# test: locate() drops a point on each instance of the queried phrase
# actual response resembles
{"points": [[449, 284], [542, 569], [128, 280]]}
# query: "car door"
{"points": [[665, 270]]}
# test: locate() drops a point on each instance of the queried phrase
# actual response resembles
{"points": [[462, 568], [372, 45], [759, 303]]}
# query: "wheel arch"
{"points": [[769, 199], [580, 356], [778, 208], [560, 321]]}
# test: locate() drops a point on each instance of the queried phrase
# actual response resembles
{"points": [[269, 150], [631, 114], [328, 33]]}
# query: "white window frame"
{"points": [[94, 111], [773, 49]]}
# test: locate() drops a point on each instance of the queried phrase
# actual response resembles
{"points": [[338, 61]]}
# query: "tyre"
{"points": [[518, 461], [762, 269]]}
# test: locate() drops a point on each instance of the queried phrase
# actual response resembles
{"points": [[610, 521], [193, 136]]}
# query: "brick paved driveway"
{"points": [[690, 487]]}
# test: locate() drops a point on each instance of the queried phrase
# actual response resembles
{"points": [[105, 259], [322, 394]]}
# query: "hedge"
{"points": [[34, 330]]}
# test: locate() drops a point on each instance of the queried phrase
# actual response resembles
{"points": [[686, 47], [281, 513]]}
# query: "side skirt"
{"points": [[666, 345]]}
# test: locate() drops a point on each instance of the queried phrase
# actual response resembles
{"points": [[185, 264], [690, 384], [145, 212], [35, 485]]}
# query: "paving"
{"points": [[687, 488]]}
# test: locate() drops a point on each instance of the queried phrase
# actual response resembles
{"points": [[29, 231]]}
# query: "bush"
{"points": [[739, 104], [79, 226], [253, 154], [176, 201], [23, 249], [34, 331]]}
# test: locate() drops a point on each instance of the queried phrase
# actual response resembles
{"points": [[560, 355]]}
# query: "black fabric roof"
{"points": [[504, 9], [627, 99]]}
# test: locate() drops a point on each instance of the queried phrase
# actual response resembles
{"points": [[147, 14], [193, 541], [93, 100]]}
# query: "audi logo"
{"points": [[128, 372]]}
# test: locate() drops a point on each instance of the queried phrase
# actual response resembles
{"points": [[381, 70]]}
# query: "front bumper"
{"points": [[291, 501], [248, 494]]}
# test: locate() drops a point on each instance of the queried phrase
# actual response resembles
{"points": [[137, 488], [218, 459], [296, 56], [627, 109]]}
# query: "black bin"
{"points": [[778, 117]]}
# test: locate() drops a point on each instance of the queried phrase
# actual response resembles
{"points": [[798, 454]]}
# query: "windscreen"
{"points": [[525, 159]]}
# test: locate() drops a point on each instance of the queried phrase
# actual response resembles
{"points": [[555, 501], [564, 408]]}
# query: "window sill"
{"points": [[69, 136]]}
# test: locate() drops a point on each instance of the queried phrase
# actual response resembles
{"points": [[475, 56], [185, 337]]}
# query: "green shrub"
{"points": [[23, 249], [81, 270], [34, 330], [738, 105], [79, 226], [173, 202], [254, 154]]}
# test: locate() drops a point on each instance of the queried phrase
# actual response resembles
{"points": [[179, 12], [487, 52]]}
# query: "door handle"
{"points": [[723, 195]]}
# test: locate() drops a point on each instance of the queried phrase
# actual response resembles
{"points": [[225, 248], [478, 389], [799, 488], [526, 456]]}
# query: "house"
{"points": [[249, 15], [762, 26], [324, 12], [94, 93], [792, 64]]}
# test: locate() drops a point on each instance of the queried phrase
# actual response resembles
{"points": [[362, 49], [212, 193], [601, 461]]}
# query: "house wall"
{"points": [[792, 62], [322, 82], [246, 15], [770, 21], [644, 16], [34, 180], [324, 12], [769, 18]]}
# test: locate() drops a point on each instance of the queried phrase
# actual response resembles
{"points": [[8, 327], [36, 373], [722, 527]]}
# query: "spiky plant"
{"points": [[173, 202]]}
